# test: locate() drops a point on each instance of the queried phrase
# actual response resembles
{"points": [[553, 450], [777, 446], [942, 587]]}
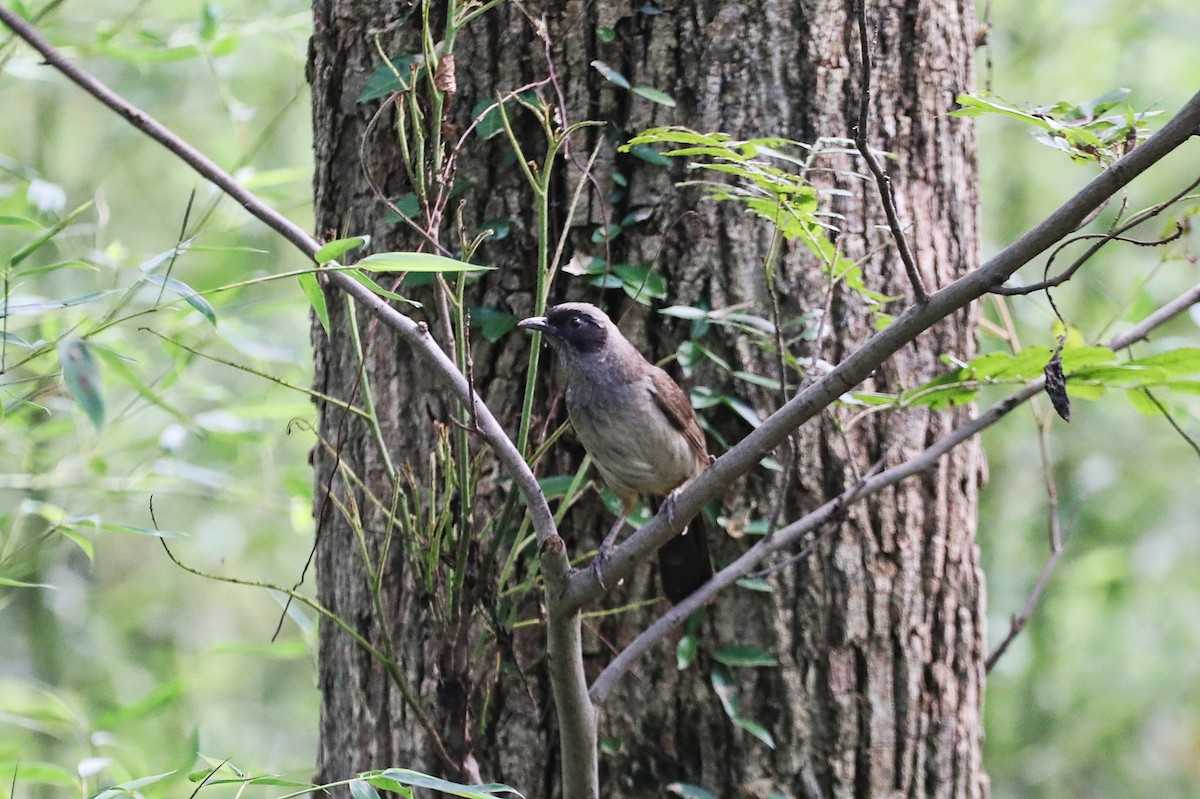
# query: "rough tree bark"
{"points": [[879, 633]]}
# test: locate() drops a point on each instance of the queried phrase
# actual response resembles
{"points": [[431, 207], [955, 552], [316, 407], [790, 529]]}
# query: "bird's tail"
{"points": [[684, 563]]}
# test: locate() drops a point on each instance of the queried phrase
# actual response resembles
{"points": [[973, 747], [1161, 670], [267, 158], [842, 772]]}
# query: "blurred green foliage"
{"points": [[1100, 695], [127, 667]]}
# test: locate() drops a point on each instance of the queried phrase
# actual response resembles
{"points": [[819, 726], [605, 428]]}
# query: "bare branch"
{"points": [[1166, 414], [882, 181], [584, 586], [1117, 234], [797, 531], [1019, 620]]}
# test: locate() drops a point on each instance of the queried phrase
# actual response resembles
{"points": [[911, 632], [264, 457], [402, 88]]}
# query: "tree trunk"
{"points": [[879, 632]]}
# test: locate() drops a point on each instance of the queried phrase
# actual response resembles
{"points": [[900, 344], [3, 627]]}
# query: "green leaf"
{"points": [[44, 269], [46, 235], [316, 297], [984, 103], [744, 656], [1098, 105], [641, 281], [130, 788], [757, 380], [494, 323], [82, 378], [11, 583], [500, 229], [416, 779], [333, 250], [685, 652], [31, 773], [606, 233], [1142, 403], [725, 688], [360, 789], [53, 305], [1174, 363], [555, 487], [117, 527], [1078, 357], [606, 35], [10, 338], [158, 259], [358, 275], [742, 409], [654, 96], [79, 540], [188, 293], [684, 312], [610, 745], [209, 21], [689, 791], [491, 121], [416, 262], [755, 729], [396, 76], [409, 206], [649, 155], [161, 697], [610, 74], [756, 584]]}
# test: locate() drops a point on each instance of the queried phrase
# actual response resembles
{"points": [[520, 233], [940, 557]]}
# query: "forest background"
{"points": [[127, 664]]}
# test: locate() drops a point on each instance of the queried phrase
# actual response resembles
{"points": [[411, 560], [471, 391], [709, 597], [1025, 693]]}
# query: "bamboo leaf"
{"points": [[188, 293], [415, 262], [333, 250], [316, 297], [744, 656], [82, 377]]}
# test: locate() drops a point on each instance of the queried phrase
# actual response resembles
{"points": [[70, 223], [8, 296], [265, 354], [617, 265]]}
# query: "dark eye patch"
{"points": [[577, 330]]}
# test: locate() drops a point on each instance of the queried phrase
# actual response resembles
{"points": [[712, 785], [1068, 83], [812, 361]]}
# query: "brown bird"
{"points": [[638, 426]]}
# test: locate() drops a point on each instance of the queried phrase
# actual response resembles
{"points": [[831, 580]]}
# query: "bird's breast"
{"points": [[635, 447]]}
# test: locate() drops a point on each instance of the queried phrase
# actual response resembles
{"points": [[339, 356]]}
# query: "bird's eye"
{"points": [[575, 322]]}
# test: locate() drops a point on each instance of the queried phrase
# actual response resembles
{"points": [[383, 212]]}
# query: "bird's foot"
{"points": [[606, 547], [668, 507], [597, 566]]}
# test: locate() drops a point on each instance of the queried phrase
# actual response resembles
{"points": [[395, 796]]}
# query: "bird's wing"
{"points": [[674, 404]]}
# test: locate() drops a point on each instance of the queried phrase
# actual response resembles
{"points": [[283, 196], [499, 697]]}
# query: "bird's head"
{"points": [[573, 328]]}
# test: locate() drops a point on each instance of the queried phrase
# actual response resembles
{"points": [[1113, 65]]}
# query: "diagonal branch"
{"points": [[576, 714], [414, 333], [585, 586], [799, 530], [580, 588], [1103, 238]]}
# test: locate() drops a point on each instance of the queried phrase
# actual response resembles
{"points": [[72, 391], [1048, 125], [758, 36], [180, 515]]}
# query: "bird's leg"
{"points": [[605, 548]]}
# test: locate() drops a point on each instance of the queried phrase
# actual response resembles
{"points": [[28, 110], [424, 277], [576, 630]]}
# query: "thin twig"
{"points": [[741, 458], [1166, 414], [1019, 620], [1103, 239], [882, 181], [584, 587], [414, 333], [799, 529]]}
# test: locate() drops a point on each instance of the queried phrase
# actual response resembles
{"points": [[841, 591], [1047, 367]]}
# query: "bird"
{"points": [[636, 423]]}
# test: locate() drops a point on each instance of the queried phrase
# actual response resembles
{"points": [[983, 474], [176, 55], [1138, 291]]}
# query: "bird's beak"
{"points": [[535, 323]]}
